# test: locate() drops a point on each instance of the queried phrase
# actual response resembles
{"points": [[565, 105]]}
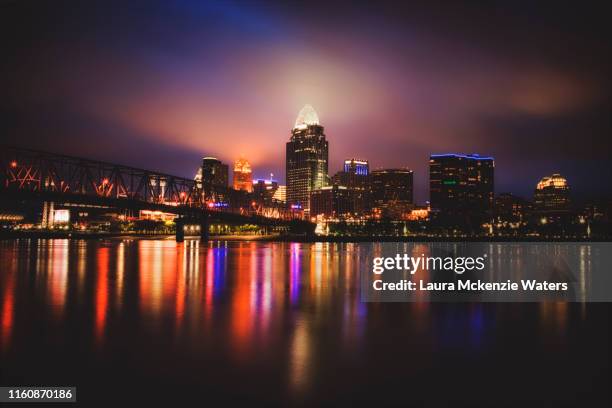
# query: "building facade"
{"points": [[214, 172], [280, 194], [461, 184], [243, 177], [510, 208], [552, 194], [265, 190], [331, 202], [392, 192], [306, 159], [356, 177], [214, 178]]}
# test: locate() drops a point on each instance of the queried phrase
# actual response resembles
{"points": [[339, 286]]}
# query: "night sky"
{"points": [[159, 85]]}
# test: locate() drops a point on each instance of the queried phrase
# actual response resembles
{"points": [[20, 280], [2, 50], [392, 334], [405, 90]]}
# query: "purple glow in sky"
{"points": [[159, 85]]}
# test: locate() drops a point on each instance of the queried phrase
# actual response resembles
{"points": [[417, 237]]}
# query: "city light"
{"points": [[61, 216], [461, 194], [227, 201], [556, 181]]}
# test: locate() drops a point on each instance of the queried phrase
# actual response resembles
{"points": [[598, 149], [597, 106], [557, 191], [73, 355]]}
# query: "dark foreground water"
{"points": [[154, 321]]}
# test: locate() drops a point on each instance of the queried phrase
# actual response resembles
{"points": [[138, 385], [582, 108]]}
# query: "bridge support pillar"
{"points": [[204, 228], [180, 228]]}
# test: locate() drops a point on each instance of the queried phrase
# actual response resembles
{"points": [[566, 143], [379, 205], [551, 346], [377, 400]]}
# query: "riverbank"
{"points": [[284, 238], [109, 235]]}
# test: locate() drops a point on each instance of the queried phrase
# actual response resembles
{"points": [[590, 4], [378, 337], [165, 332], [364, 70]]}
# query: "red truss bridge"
{"points": [[47, 177]]}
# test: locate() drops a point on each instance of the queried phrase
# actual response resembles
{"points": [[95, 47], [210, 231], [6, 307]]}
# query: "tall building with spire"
{"points": [[306, 159], [243, 177]]}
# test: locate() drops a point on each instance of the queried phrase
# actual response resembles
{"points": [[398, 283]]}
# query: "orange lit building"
{"points": [[552, 194], [243, 177]]}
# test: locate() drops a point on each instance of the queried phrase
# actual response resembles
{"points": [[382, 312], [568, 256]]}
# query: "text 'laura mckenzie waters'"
{"points": [[468, 285]]}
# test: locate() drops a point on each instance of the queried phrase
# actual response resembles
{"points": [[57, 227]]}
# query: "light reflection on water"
{"points": [[245, 300]]}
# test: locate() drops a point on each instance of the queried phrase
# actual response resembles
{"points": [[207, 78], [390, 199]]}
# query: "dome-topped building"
{"points": [[552, 194], [307, 116], [554, 181], [306, 159]]}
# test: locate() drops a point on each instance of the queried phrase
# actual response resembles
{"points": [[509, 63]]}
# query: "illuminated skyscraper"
{"points": [[306, 159], [214, 177], [265, 190], [357, 167], [355, 173], [552, 194], [243, 178], [332, 201], [214, 172], [392, 191], [280, 194], [356, 177], [461, 188]]}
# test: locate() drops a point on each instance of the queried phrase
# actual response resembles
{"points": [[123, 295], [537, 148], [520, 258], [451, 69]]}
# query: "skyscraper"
{"points": [[332, 201], [306, 159], [552, 194], [243, 178], [355, 173], [280, 194], [214, 172], [461, 187], [265, 190], [214, 177], [356, 177], [392, 191]]}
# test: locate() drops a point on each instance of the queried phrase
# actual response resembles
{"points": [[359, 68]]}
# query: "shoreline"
{"points": [[10, 235]]}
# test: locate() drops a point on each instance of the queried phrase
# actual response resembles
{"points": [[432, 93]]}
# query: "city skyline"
{"points": [[305, 203], [188, 80]]}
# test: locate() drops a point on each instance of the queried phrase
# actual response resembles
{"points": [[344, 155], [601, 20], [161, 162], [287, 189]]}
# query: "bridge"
{"points": [[38, 176]]}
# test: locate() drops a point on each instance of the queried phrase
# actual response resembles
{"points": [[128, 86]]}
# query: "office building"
{"points": [[552, 194], [331, 202], [214, 179], [306, 159], [243, 177], [510, 208], [392, 192], [356, 177], [265, 190], [214, 173], [461, 184], [280, 194]]}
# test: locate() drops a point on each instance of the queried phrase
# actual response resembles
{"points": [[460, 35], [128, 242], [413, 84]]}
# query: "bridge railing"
{"points": [[38, 171]]}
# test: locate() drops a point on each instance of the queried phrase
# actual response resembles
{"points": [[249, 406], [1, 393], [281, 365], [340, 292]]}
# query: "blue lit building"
{"points": [[357, 167], [356, 178], [461, 187]]}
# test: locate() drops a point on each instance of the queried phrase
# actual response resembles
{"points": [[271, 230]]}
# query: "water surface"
{"points": [[275, 324]]}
